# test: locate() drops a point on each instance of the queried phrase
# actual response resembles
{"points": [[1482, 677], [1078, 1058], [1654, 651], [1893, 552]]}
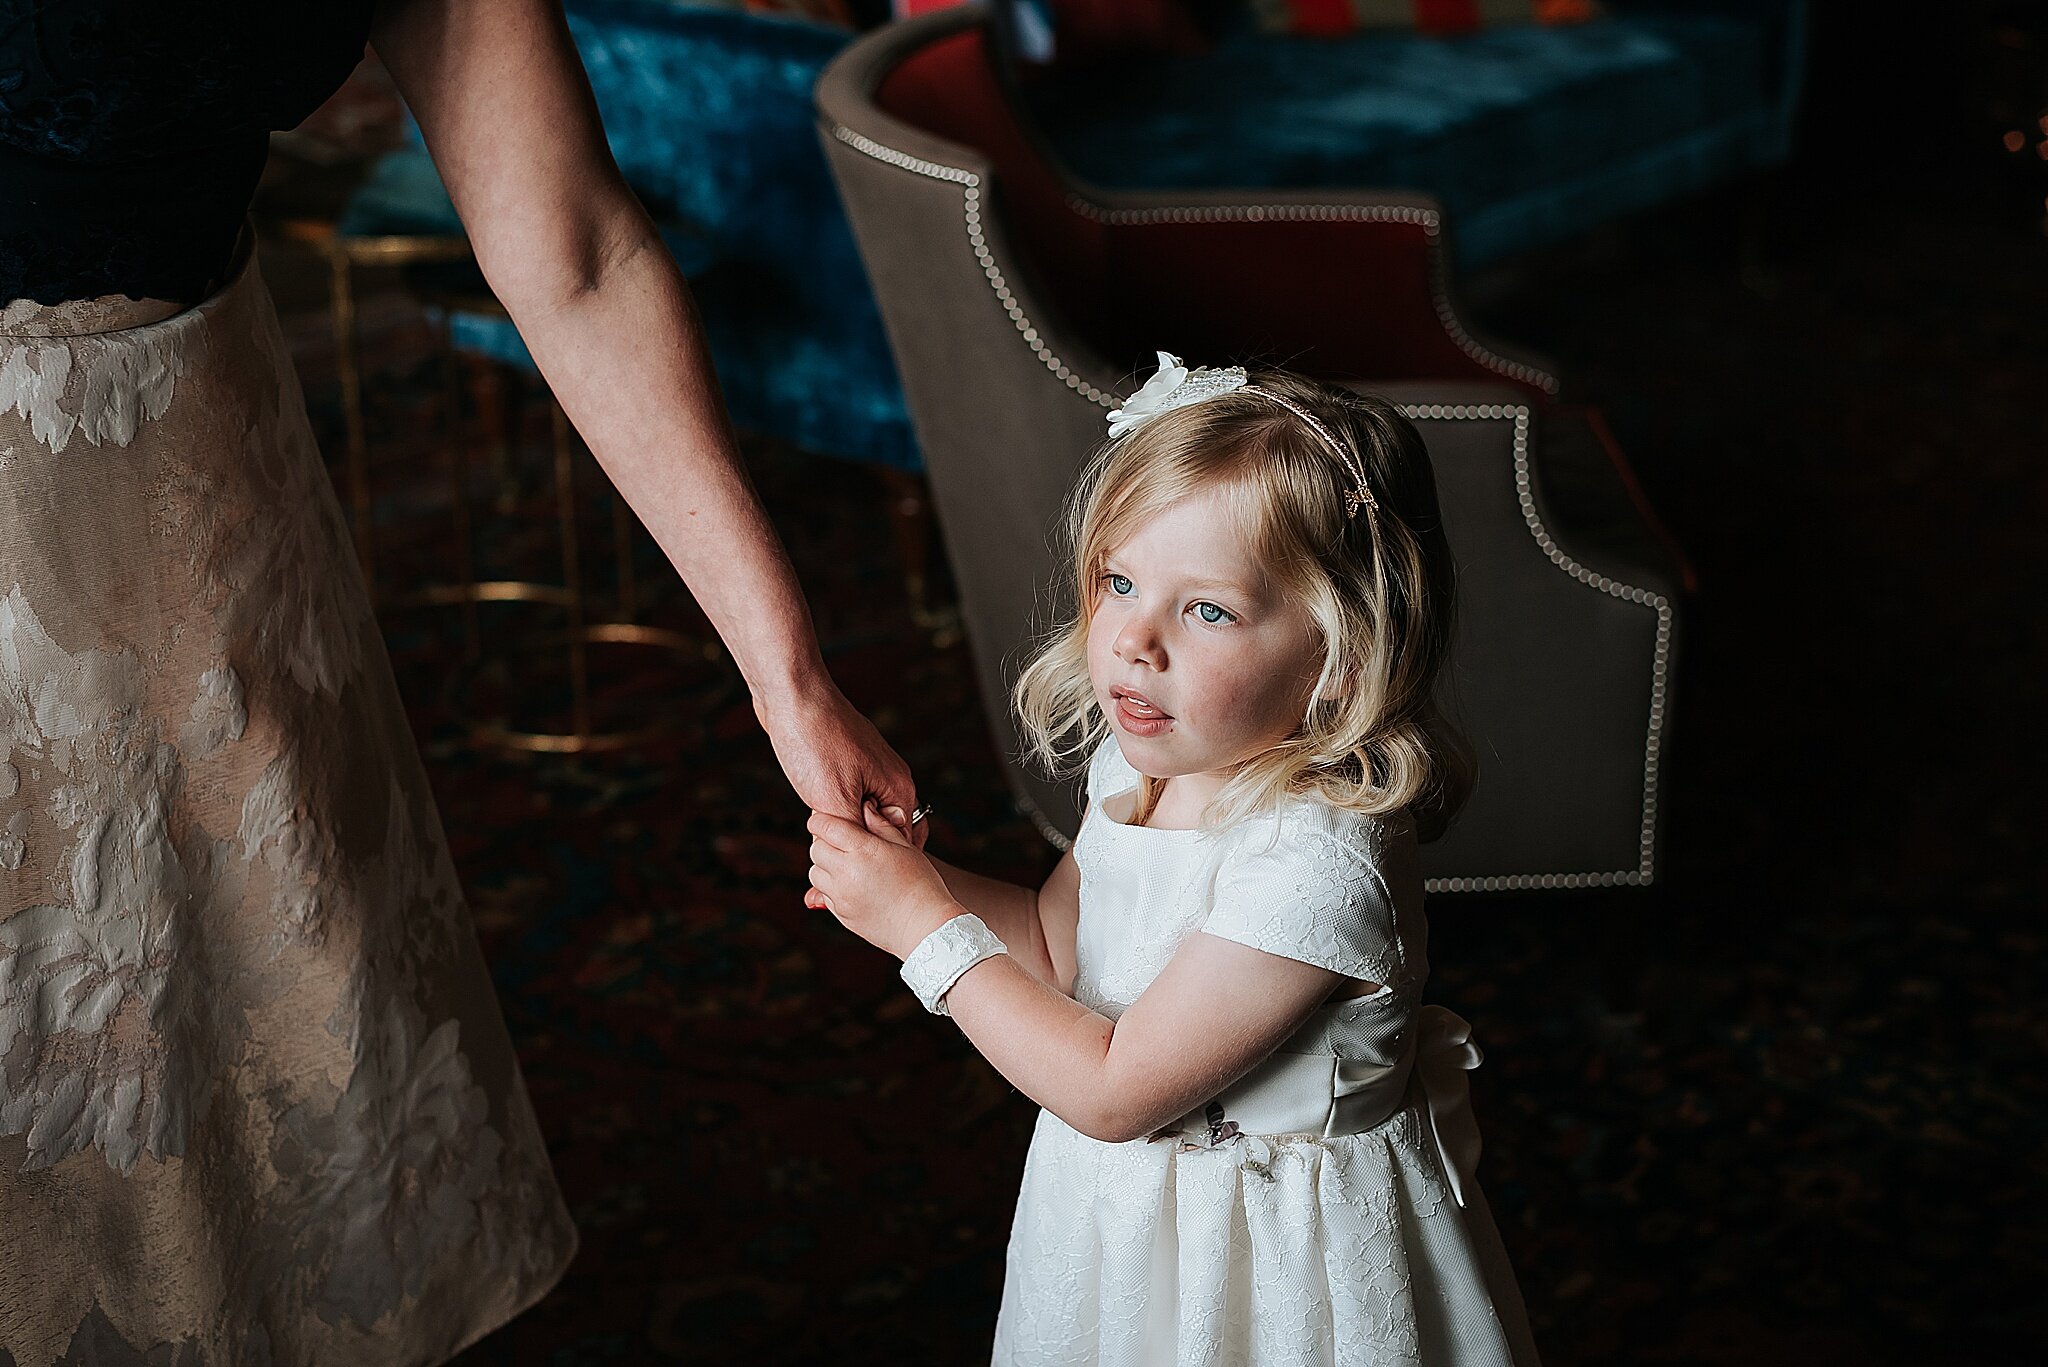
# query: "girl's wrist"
{"points": [[944, 955], [929, 920]]}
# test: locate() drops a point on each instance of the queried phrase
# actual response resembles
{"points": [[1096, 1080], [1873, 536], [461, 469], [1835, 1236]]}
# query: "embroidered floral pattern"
{"points": [[247, 1046], [112, 1056], [122, 380], [1224, 1244]]}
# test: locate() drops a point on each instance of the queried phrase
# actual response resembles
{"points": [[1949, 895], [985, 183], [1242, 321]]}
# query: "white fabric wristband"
{"points": [[942, 956]]}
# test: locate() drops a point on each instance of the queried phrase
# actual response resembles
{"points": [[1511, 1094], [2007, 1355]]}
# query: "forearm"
{"points": [[1214, 1011], [669, 452], [1008, 910], [1049, 1046]]}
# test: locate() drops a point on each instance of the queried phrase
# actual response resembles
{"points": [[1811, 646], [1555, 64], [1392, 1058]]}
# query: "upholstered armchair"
{"points": [[1021, 303]]}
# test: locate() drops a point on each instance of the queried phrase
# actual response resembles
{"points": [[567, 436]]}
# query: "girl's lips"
{"points": [[1136, 713]]}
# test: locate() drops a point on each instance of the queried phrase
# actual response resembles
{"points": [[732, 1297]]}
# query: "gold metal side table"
{"points": [[346, 254]]}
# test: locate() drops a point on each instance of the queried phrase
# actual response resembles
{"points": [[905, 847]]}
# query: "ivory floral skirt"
{"points": [[257, 1101]]}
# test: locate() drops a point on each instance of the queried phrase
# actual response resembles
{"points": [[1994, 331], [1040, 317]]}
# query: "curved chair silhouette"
{"points": [[1020, 301]]}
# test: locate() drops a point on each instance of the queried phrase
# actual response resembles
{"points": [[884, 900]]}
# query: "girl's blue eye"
{"points": [[1212, 614], [1119, 585]]}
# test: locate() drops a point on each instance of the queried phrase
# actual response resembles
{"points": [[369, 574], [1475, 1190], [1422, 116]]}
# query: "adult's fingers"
{"points": [[890, 781], [916, 833], [884, 827]]}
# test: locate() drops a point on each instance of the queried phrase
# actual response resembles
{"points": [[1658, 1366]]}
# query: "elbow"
{"points": [[1109, 1109], [557, 266], [1109, 1125], [1120, 1115], [1124, 1129]]}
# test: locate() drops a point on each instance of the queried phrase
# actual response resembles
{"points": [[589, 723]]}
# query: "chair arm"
{"points": [[1564, 649], [1567, 631]]}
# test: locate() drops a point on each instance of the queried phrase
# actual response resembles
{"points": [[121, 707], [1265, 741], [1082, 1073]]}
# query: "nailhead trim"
{"points": [[1054, 836], [1518, 881], [869, 147], [970, 192], [1430, 222], [1258, 213], [1645, 870]]}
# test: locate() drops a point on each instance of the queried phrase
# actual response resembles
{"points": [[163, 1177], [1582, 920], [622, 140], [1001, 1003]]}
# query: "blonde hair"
{"points": [[1379, 588]]}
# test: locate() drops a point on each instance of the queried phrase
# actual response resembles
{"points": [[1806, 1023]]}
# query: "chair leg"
{"points": [[457, 457], [496, 404], [910, 517], [564, 439]]}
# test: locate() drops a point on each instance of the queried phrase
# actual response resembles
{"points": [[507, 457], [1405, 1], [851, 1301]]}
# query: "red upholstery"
{"points": [[1292, 291], [1337, 18], [949, 88], [1341, 299]]}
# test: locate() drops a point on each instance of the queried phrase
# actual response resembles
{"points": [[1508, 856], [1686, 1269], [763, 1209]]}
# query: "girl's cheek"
{"points": [[1242, 690]]}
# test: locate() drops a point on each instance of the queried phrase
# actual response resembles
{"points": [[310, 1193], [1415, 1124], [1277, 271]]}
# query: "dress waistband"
{"points": [[156, 228], [22, 318], [1328, 1095]]}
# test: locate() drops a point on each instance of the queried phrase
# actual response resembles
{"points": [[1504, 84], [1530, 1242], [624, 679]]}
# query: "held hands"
{"points": [[836, 760], [879, 885]]}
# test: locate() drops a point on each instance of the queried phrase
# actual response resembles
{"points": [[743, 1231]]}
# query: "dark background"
{"points": [[1784, 1107]]}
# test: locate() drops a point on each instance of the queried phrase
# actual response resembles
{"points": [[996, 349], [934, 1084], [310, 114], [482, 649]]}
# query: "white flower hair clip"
{"points": [[1173, 386]]}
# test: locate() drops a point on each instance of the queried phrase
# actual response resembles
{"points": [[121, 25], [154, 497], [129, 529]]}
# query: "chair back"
{"points": [[1561, 664]]}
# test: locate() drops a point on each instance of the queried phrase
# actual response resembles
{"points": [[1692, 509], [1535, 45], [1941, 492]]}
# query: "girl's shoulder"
{"points": [[1309, 829], [1338, 888]]}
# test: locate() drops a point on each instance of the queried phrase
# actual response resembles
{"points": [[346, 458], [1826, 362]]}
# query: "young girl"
{"points": [[1255, 1145]]}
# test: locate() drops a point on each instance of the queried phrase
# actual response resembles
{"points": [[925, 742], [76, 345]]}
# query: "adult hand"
{"points": [[879, 885], [836, 760]]}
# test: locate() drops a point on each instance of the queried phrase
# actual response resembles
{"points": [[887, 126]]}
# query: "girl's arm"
{"points": [[1036, 927], [501, 96], [1214, 1012], [1211, 1015]]}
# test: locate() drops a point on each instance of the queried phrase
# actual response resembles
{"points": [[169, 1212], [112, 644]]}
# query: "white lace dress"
{"points": [[1322, 1210]]}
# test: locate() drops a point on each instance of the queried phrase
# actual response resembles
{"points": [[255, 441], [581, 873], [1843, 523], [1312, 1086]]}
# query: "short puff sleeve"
{"points": [[1315, 895], [1109, 773]]}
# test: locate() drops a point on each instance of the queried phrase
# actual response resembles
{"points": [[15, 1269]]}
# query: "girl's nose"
{"points": [[1138, 643]]}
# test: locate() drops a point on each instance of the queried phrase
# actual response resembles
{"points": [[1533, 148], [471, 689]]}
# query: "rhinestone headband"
{"points": [[1357, 496], [1173, 385]]}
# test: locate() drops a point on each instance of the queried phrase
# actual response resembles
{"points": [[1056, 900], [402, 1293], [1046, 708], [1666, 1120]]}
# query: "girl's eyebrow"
{"points": [[1227, 585]]}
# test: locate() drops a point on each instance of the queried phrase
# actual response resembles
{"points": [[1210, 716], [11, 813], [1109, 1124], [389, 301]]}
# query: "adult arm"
{"points": [[508, 116]]}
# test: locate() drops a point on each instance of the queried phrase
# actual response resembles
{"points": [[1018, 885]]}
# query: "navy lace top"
{"points": [[132, 133]]}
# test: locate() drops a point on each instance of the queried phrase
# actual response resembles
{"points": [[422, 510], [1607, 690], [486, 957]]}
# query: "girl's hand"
{"points": [[879, 885]]}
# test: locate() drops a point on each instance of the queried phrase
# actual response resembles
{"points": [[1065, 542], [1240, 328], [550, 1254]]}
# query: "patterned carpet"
{"points": [[1786, 1107]]}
